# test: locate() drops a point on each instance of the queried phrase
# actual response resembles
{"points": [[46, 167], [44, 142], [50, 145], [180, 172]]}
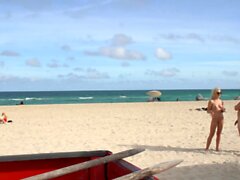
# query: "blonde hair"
{"points": [[214, 91]]}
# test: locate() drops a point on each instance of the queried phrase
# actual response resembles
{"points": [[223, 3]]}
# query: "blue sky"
{"points": [[119, 44]]}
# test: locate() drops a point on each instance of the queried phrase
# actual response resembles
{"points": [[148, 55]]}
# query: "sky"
{"points": [[119, 44]]}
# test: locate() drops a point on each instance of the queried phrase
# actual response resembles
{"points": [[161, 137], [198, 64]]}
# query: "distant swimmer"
{"points": [[20, 103]]}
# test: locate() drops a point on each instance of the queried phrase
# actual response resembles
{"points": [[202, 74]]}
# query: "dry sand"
{"points": [[168, 131]]}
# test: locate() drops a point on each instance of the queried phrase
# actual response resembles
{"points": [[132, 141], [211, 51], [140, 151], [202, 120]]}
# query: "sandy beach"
{"points": [[167, 130]]}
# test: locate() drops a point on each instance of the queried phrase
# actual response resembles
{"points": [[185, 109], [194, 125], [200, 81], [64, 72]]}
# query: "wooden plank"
{"points": [[39, 156], [85, 165], [150, 171]]}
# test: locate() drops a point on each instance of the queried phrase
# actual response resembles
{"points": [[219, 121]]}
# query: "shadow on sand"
{"points": [[180, 149], [229, 170], [226, 171]]}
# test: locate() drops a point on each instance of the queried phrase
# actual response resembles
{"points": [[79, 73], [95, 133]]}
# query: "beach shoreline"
{"points": [[167, 130]]}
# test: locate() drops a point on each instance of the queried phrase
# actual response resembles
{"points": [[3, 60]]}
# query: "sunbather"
{"points": [[3, 118]]}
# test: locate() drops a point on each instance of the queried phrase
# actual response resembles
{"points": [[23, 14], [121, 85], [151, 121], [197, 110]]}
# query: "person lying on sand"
{"points": [[3, 118]]}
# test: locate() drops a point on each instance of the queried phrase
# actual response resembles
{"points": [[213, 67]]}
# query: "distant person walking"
{"points": [[215, 109], [237, 108]]}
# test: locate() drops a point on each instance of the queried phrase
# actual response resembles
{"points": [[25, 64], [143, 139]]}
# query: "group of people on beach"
{"points": [[215, 109]]}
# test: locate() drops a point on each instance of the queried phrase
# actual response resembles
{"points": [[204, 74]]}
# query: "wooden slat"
{"points": [[42, 156], [150, 171], [85, 165]]}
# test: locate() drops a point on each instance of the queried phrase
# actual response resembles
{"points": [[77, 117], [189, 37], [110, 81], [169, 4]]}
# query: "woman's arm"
{"points": [[223, 108], [209, 108], [237, 107]]}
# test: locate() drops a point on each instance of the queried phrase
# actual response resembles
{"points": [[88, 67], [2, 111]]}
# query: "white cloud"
{"points": [[29, 4], [225, 38], [121, 40], [33, 63], [162, 54], [165, 72], [56, 64], [230, 73], [92, 53], [117, 50], [78, 69], [71, 58], [117, 53], [176, 37], [169, 72], [94, 74], [83, 8], [86, 74], [71, 76], [222, 63], [13, 79], [199, 38], [122, 53], [9, 53], [66, 48]]}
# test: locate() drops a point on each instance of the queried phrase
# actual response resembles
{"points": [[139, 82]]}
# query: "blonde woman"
{"points": [[237, 108], [215, 109]]}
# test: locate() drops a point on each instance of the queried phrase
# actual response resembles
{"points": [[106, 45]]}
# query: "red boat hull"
{"points": [[23, 166]]}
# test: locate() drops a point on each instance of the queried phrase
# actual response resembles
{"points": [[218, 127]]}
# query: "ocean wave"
{"points": [[33, 98], [16, 99], [85, 98], [123, 96]]}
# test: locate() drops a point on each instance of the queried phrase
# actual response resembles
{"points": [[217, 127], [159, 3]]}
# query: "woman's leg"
{"points": [[238, 127], [211, 134], [219, 131]]}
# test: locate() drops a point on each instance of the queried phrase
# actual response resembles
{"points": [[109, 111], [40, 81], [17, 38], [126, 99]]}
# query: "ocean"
{"points": [[80, 97]]}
